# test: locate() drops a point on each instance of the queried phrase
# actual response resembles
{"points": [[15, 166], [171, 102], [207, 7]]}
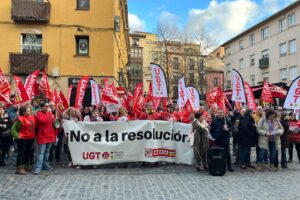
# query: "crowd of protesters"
{"points": [[38, 138]]}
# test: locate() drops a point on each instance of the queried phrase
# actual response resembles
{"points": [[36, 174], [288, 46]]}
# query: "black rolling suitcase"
{"points": [[216, 161]]}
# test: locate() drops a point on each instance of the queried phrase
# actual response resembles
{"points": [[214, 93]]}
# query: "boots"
{"points": [[27, 168], [2, 163], [20, 170]]}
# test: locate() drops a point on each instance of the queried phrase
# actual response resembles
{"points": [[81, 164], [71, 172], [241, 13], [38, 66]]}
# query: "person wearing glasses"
{"points": [[46, 136]]}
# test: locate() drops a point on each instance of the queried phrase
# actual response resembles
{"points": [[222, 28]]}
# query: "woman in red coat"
{"points": [[46, 136]]}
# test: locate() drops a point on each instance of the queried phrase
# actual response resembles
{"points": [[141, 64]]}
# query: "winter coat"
{"points": [[45, 131], [247, 134], [24, 128], [284, 137], [5, 126], [218, 133], [263, 128]]}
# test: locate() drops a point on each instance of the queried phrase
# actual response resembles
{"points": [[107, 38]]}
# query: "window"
{"points": [[175, 91], [252, 80], [293, 73], [283, 49], [265, 53], [82, 45], [137, 52], [228, 67], [251, 39], [283, 75], [136, 69], [282, 25], [293, 46], [264, 33], [252, 59], [228, 84], [227, 51], [191, 78], [191, 64], [291, 19], [265, 76], [175, 63], [31, 43], [175, 79], [83, 4], [241, 45], [215, 81], [241, 63], [135, 41]]}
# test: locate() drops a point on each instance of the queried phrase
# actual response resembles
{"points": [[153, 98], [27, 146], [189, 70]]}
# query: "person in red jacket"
{"points": [[150, 114], [170, 115], [46, 136], [23, 132]]}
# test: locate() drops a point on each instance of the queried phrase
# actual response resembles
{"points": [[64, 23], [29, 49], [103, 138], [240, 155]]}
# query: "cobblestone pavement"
{"points": [[164, 182]]}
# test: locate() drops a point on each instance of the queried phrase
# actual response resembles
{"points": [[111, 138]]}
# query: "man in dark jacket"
{"points": [[247, 138], [220, 130]]}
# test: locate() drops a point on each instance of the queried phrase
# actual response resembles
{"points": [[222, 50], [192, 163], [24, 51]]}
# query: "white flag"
{"points": [[238, 91], [194, 97], [292, 99], [95, 93], [159, 84], [182, 93]]}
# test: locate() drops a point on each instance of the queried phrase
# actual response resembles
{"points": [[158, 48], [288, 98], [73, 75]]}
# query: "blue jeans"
{"points": [[272, 151], [245, 155], [42, 160]]}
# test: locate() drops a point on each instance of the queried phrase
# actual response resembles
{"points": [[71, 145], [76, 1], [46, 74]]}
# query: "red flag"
{"points": [[20, 93], [125, 103], [69, 93], [129, 97], [81, 87], [277, 92], [266, 95], [251, 104], [165, 102], [4, 86], [151, 98], [109, 93], [30, 84], [138, 99], [63, 102], [44, 85]]}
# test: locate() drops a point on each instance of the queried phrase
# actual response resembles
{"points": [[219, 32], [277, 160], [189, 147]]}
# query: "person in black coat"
{"points": [[221, 127], [247, 138]]}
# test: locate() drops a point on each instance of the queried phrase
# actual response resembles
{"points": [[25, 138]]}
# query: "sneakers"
{"points": [[70, 164], [230, 169], [272, 168], [258, 167], [36, 173], [48, 168]]}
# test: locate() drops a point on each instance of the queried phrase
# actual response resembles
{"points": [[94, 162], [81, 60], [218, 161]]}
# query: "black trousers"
{"points": [[24, 150], [227, 153], [56, 149], [283, 161]]}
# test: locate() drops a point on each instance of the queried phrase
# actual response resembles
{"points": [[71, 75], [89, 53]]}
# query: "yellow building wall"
{"points": [[59, 38]]}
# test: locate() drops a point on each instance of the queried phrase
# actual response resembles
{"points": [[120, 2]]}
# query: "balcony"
{"points": [[264, 63], [30, 11], [25, 64]]}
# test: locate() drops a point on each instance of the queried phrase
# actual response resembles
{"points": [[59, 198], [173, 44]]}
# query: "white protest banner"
{"points": [[238, 91], [292, 100], [94, 143], [182, 93], [194, 97], [159, 84], [110, 108]]}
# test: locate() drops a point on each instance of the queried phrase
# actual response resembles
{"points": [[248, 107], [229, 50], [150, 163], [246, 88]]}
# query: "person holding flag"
{"points": [[150, 114], [221, 127]]}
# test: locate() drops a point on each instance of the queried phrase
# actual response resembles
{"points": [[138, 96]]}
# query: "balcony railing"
{"points": [[27, 63], [30, 11], [264, 63]]}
